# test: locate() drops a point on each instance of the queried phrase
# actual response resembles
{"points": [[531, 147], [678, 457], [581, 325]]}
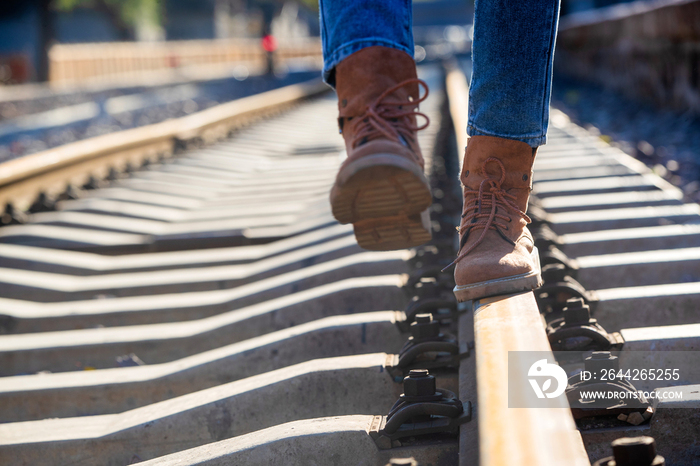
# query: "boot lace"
{"points": [[481, 212], [391, 119]]}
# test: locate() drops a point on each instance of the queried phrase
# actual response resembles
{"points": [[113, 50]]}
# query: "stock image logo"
{"points": [[542, 372], [594, 383]]}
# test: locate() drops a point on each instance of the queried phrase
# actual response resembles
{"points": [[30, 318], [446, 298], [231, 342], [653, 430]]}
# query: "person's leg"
{"points": [[380, 188], [512, 56], [348, 26]]}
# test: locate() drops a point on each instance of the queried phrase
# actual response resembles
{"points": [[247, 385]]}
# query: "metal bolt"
{"points": [[575, 302], [601, 360], [576, 312], [424, 327], [637, 451], [419, 383]]}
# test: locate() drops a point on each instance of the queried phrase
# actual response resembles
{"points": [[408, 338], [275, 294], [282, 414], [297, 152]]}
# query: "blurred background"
{"points": [[71, 69]]}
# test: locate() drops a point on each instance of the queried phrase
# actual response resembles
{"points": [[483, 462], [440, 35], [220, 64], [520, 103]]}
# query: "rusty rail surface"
{"points": [[517, 436], [458, 92]]}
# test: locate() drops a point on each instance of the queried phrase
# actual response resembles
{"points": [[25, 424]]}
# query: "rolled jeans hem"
{"points": [[533, 141], [347, 49]]}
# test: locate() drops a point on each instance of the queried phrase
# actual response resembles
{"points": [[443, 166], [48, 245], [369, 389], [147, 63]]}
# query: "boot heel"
{"points": [[377, 186]]}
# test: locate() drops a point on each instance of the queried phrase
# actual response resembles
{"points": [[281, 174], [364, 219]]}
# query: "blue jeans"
{"points": [[512, 54]]}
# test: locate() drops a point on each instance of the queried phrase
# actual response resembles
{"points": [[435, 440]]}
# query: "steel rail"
{"points": [[503, 324], [517, 436], [50, 171], [458, 94]]}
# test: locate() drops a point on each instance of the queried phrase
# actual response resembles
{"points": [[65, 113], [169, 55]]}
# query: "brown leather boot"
{"points": [[497, 252], [381, 188]]}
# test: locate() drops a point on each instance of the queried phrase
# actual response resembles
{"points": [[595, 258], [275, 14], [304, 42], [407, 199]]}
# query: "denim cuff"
{"points": [[533, 141], [347, 49]]}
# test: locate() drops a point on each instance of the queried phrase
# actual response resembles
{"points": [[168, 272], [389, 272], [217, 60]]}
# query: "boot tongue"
{"points": [[517, 159], [492, 171]]}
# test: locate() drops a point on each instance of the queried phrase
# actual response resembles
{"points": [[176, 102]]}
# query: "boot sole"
{"points": [[397, 232], [377, 186], [502, 286]]}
